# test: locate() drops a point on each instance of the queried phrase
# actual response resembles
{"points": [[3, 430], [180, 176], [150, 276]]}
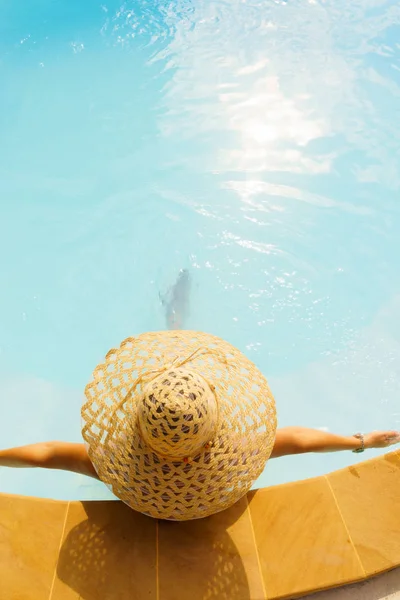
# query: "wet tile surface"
{"points": [[368, 495], [108, 553], [210, 559], [302, 541], [30, 536]]}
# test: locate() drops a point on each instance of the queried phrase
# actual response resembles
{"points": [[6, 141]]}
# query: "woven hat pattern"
{"points": [[192, 477], [178, 414]]}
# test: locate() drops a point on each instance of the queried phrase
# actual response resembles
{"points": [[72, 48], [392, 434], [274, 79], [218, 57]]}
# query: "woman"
{"points": [[179, 425]]}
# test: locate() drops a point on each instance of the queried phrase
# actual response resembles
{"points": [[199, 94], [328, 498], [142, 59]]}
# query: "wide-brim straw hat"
{"points": [[178, 424]]}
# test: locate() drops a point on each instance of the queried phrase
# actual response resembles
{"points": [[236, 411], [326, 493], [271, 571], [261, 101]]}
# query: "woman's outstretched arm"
{"points": [[50, 455], [289, 440], [300, 440]]}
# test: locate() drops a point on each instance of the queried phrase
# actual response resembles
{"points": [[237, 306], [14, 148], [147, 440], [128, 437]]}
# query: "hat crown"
{"points": [[178, 413]]}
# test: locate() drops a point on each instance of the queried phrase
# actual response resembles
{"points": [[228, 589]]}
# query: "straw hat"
{"points": [[178, 424]]}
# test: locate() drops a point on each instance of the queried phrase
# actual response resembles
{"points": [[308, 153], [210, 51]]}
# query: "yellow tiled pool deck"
{"points": [[279, 542]]}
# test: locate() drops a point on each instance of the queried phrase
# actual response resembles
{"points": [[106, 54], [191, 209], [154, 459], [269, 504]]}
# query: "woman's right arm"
{"points": [[300, 440]]}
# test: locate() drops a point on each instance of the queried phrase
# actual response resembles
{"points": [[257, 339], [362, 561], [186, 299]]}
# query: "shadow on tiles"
{"points": [[109, 553]]}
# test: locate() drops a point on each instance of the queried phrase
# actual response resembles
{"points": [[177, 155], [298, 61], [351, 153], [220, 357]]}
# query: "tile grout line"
{"points": [[256, 549], [345, 526], [59, 548], [157, 565]]}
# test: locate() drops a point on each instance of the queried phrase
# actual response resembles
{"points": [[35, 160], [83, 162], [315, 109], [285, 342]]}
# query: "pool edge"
{"points": [[284, 541]]}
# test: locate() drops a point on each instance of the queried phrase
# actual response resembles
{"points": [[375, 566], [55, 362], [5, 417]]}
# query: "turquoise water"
{"points": [[254, 143]]}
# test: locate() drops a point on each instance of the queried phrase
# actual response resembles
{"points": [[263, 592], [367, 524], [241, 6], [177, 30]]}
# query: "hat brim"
{"points": [[172, 489]]}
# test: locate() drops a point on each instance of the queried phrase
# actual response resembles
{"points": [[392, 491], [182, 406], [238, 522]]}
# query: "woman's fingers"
{"points": [[393, 437], [381, 439]]}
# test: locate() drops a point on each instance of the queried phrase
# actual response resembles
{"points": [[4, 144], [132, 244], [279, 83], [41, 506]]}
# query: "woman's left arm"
{"points": [[50, 455]]}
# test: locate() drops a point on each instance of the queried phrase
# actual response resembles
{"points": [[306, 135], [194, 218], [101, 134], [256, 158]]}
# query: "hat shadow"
{"points": [[110, 554]]}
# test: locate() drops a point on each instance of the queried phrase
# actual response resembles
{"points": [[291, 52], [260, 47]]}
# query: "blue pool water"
{"points": [[255, 143]]}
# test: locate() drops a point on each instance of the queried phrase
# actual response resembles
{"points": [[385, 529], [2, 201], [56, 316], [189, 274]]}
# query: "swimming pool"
{"points": [[253, 143]]}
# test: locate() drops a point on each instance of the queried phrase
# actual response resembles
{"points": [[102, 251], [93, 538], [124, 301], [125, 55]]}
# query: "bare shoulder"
{"points": [[71, 457]]}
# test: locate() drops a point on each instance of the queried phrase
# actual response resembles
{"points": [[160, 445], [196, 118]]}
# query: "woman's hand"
{"points": [[381, 439]]}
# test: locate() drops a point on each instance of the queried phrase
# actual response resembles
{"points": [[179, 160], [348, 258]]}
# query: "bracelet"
{"points": [[359, 436]]}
